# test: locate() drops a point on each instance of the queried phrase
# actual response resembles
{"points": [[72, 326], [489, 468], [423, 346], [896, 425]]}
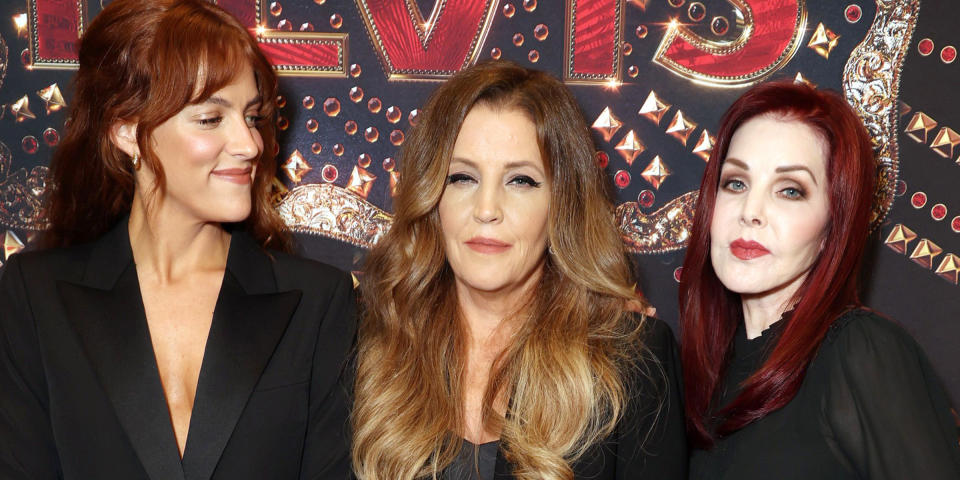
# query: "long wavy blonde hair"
{"points": [[566, 366]]}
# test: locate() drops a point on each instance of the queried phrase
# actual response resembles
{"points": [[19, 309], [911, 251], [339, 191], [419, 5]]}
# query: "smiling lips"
{"points": [[747, 250], [487, 245], [235, 175]]}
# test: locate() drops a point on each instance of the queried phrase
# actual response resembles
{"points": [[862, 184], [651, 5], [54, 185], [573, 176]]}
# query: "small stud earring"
{"points": [[136, 161]]}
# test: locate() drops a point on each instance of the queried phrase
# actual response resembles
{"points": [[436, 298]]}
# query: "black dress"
{"points": [[648, 443], [870, 407]]}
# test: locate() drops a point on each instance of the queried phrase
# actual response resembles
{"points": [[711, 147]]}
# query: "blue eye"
{"points": [[792, 193], [525, 181], [459, 178], [734, 185]]}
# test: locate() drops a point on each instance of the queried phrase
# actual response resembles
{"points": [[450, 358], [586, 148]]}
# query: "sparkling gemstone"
{"points": [[275, 8], [350, 127], [355, 70], [630, 147], [948, 54], [53, 98], [925, 252], [312, 125], [622, 178], [678, 274], [282, 122], [656, 172], [338, 149], [719, 25], [627, 48], [21, 109], [316, 148], [602, 159], [918, 200], [607, 124], [646, 199], [371, 134], [11, 244], [955, 224], [306, 27], [281, 101], [938, 212], [336, 21], [51, 137], [540, 32], [30, 144], [331, 107], [641, 31], [529, 5], [899, 238], [393, 114], [920, 126], [925, 47], [509, 10], [329, 173], [823, 41], [296, 167], [900, 188], [495, 53], [364, 160], [319, 2], [681, 127], [374, 105], [356, 94], [396, 137], [653, 108], [284, 25], [853, 13], [413, 117], [633, 71], [696, 11], [518, 39], [389, 164], [533, 56], [308, 102], [676, 3], [360, 181]]}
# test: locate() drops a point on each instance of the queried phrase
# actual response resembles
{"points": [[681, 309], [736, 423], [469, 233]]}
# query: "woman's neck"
{"points": [[168, 245], [764, 309]]}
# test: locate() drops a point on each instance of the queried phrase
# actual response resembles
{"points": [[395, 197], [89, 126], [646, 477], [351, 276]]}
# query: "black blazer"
{"points": [[80, 393]]}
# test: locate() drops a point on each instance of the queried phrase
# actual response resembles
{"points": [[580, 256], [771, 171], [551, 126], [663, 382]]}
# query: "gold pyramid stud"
{"points": [[681, 128], [656, 172], [949, 268], [925, 252], [899, 238], [361, 181], [21, 109], [52, 97], [11, 244], [629, 147], [823, 41], [919, 126], [296, 166], [801, 79], [607, 124], [945, 141], [704, 145], [653, 108]]}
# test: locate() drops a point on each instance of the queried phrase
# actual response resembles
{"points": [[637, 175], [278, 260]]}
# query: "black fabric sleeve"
{"points": [[652, 437], [326, 453], [27, 449], [888, 410]]}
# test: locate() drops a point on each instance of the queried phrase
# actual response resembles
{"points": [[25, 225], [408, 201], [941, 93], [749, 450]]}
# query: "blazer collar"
{"points": [[106, 311]]}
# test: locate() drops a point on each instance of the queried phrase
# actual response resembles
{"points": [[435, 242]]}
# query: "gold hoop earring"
{"points": [[136, 161]]}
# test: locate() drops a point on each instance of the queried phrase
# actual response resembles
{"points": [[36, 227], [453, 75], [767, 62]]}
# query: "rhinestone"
{"points": [[495, 53], [393, 114], [356, 94], [696, 11], [925, 47], [413, 117], [312, 125], [285, 26], [30, 144], [529, 5], [338, 149], [533, 56], [389, 164], [316, 148], [641, 31], [918, 200], [853, 13], [396, 138], [938, 212], [350, 127], [633, 71], [329, 173], [518, 39], [719, 25], [306, 27], [281, 101], [540, 32], [602, 159], [948, 54], [509, 10], [276, 9], [355, 70], [622, 178], [336, 20], [371, 134], [282, 122], [627, 49], [374, 105], [646, 199], [364, 160], [308, 102], [51, 137]]}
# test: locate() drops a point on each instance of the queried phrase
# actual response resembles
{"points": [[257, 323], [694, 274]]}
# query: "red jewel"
{"points": [[901, 188], [918, 200], [853, 13], [925, 47], [955, 224], [622, 178], [329, 173], [602, 159], [948, 54], [677, 274], [938, 212], [646, 199], [30, 144]]}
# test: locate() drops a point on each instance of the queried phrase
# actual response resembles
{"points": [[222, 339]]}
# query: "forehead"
{"points": [[772, 141], [494, 134]]}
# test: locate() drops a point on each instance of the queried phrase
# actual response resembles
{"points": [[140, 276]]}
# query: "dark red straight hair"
{"points": [[710, 313], [143, 61]]}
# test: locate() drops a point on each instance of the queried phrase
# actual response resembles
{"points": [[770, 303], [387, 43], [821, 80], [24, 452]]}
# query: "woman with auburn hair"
{"points": [[164, 332], [495, 338], [786, 375]]}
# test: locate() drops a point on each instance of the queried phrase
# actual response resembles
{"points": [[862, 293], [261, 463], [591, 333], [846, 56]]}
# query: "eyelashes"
{"points": [[523, 181], [735, 185]]}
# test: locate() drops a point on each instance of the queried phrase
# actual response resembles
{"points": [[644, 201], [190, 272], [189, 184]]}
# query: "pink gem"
{"points": [[329, 173], [918, 200], [646, 199], [925, 47], [900, 189], [938, 212], [948, 54], [622, 178], [853, 13], [677, 274], [955, 224], [602, 159], [51, 137], [30, 144]]}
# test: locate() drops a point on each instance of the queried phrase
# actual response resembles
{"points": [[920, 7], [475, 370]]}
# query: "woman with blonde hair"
{"points": [[495, 338]]}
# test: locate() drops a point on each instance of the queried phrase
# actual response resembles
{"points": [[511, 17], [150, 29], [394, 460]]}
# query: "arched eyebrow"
{"points": [[218, 100], [797, 168]]}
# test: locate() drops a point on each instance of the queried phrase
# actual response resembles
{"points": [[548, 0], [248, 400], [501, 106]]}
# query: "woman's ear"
{"points": [[124, 136]]}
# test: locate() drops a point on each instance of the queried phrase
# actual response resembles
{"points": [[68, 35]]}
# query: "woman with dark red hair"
{"points": [[786, 374]]}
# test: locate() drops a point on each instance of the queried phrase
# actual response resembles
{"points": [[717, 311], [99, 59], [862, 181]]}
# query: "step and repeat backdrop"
{"points": [[653, 78]]}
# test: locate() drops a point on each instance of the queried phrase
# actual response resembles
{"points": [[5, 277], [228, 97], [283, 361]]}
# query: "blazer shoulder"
{"points": [[57, 263], [307, 274]]}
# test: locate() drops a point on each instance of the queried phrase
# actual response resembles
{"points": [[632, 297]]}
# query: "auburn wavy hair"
{"points": [[144, 61], [564, 370], [709, 313]]}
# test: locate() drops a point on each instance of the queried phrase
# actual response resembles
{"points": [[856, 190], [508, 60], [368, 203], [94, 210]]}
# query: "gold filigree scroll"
{"points": [[332, 211], [664, 230], [871, 83], [21, 194]]}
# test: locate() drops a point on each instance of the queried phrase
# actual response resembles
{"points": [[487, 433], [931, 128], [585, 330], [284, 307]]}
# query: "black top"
{"points": [[80, 392], [649, 441], [870, 407]]}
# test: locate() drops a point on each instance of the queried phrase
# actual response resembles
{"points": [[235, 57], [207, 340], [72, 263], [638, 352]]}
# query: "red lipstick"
{"points": [[239, 176], [487, 245], [747, 249]]}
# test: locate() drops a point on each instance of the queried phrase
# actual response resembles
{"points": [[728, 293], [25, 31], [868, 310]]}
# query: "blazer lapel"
{"points": [[107, 314], [248, 321]]}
